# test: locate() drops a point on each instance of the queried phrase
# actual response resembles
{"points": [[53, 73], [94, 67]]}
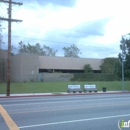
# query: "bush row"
{"points": [[95, 77]]}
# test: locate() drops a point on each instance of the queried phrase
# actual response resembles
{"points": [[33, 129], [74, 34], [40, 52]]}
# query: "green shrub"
{"points": [[94, 77]]}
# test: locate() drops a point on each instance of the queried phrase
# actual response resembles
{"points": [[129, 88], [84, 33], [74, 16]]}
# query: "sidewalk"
{"points": [[60, 94]]}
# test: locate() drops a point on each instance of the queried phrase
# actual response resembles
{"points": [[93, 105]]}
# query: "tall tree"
{"points": [[49, 51], [88, 68], [117, 68], [13, 50], [1, 37], [36, 49], [71, 51], [125, 55], [108, 65]]}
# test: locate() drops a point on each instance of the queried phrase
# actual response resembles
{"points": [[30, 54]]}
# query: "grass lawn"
{"points": [[44, 87]]}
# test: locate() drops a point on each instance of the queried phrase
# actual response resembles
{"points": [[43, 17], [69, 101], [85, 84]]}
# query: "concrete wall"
{"points": [[55, 77], [2, 70], [16, 68], [3, 65], [24, 67], [3, 54]]}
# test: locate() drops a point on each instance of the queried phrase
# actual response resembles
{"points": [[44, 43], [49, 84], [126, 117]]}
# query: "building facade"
{"points": [[31, 67], [3, 65]]}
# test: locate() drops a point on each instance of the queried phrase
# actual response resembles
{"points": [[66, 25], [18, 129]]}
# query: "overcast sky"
{"points": [[94, 26]]}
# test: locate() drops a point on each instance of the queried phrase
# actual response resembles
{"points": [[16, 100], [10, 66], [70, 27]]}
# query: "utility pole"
{"points": [[9, 39]]}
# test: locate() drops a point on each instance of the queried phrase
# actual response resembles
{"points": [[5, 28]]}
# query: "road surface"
{"points": [[76, 112]]}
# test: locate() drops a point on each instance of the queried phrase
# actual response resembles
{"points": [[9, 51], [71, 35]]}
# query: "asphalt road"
{"points": [[81, 112]]}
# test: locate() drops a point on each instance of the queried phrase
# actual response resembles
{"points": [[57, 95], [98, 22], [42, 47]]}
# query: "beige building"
{"points": [[3, 65], [67, 64], [26, 67]]}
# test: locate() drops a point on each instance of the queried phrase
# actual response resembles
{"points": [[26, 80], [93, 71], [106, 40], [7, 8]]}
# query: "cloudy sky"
{"points": [[94, 26]]}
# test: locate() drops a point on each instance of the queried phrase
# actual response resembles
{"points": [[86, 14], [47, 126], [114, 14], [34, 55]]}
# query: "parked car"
{"points": [[90, 88], [74, 88]]}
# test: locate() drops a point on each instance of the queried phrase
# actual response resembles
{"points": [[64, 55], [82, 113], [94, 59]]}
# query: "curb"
{"points": [[60, 94]]}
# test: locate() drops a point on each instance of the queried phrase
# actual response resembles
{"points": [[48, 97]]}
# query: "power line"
{"points": [[45, 40]]}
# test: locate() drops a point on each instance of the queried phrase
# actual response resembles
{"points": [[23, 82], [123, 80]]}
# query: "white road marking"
{"points": [[92, 100], [74, 121]]}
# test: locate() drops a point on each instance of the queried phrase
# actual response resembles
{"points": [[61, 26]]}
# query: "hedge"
{"points": [[94, 77]]}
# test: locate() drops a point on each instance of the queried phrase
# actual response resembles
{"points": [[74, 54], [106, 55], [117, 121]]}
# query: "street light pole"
{"points": [[122, 68], [123, 53]]}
